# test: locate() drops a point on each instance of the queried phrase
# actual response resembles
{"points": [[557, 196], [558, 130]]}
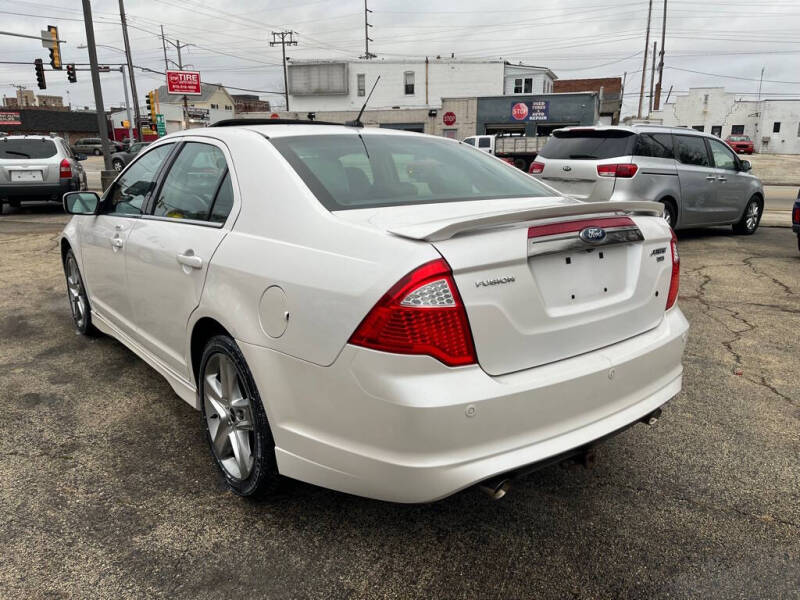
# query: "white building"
{"points": [[773, 125], [328, 85]]}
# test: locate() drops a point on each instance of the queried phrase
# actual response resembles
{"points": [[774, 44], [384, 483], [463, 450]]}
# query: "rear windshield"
{"points": [[17, 149], [363, 171], [740, 138], [587, 145]]}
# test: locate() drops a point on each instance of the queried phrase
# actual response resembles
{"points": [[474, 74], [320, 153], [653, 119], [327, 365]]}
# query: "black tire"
{"points": [[670, 212], [749, 222], [521, 164], [76, 295], [96, 152], [117, 164], [263, 479]]}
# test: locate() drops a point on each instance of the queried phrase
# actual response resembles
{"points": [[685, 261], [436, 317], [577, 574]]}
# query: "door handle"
{"points": [[722, 179], [116, 242], [190, 260], [711, 178]]}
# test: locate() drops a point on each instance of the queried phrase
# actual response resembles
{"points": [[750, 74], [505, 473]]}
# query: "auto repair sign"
{"points": [[185, 83], [9, 117], [535, 110]]}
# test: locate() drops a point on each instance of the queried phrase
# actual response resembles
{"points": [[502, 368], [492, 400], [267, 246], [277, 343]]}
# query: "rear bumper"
{"points": [[40, 191], [408, 429]]}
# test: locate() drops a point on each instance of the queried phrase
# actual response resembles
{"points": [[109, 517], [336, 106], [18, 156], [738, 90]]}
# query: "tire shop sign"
{"points": [[534, 110], [186, 83]]}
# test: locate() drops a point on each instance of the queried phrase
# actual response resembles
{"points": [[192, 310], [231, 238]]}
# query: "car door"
{"points": [[103, 237], [170, 248], [697, 181], [732, 188]]}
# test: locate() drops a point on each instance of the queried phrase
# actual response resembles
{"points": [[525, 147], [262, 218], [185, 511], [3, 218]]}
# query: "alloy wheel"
{"points": [[76, 293], [229, 417], [752, 215]]}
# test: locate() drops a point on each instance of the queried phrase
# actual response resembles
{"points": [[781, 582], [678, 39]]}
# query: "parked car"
{"points": [[120, 159], [94, 146], [796, 219], [384, 313], [742, 144], [518, 150], [37, 167], [699, 179]]}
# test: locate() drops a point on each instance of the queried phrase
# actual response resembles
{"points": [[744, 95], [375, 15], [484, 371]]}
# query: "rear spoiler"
{"points": [[443, 229]]}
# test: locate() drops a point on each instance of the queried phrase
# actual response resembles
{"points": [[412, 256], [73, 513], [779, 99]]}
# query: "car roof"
{"points": [[289, 129], [29, 137], [637, 128]]}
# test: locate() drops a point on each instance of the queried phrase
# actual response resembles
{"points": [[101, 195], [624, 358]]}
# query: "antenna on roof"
{"points": [[357, 121]]}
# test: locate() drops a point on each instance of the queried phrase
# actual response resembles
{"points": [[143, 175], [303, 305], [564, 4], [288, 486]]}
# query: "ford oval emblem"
{"points": [[593, 235]]}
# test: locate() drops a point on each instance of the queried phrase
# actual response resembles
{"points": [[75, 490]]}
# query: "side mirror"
{"points": [[745, 165], [81, 203], [80, 157]]}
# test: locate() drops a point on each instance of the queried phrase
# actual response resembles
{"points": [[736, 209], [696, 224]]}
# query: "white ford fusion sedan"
{"points": [[388, 314]]}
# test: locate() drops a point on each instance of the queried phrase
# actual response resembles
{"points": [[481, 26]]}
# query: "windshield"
{"points": [[363, 171], [22, 149], [588, 144]]}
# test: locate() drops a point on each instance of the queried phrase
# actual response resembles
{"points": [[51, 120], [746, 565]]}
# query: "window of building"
{"points": [[408, 78], [776, 127], [528, 85], [228, 107], [699, 127], [215, 106], [518, 86], [716, 130], [798, 130], [737, 129], [361, 78]]}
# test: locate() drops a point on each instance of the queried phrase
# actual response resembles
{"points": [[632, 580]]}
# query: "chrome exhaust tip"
{"points": [[651, 418], [495, 488]]}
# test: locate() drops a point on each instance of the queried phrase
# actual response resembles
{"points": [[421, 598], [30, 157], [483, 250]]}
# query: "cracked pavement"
{"points": [[107, 489]]}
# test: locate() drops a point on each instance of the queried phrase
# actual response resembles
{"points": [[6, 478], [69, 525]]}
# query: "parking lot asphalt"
{"points": [[107, 489]]}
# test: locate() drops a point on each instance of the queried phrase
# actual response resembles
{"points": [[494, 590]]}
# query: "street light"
{"points": [[124, 87]]}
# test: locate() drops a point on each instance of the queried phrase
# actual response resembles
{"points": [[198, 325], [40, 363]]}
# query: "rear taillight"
{"points": [[674, 282], [536, 168], [65, 169], [796, 215], [421, 314], [617, 170]]}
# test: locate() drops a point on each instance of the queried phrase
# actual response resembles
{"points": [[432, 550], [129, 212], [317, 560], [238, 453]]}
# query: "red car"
{"points": [[741, 144]]}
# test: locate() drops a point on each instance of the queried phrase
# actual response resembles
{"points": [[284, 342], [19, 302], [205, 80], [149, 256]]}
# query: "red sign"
{"points": [[184, 83], [274, 116], [9, 117], [519, 111], [449, 118]]}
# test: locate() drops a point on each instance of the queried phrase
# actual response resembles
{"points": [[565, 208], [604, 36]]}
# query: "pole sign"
{"points": [[534, 110], [184, 83], [449, 118], [9, 117], [161, 126]]}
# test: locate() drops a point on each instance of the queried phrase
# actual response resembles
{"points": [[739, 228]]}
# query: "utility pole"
{"points": [[98, 91], [760, 81], [367, 39], [180, 68], [644, 64], [652, 79], [284, 38], [657, 102], [127, 106], [164, 45], [130, 68]]}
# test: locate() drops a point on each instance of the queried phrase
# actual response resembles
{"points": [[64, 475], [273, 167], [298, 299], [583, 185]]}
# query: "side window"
{"points": [[192, 182], [484, 143], [470, 141], [361, 81], [128, 194], [723, 156], [223, 202], [691, 150], [656, 145]]}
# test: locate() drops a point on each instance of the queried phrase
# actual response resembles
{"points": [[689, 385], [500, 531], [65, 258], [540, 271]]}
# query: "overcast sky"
{"points": [[574, 38]]}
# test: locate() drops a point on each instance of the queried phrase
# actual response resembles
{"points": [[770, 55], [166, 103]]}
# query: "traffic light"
{"points": [[151, 106], [55, 51], [40, 74], [71, 75]]}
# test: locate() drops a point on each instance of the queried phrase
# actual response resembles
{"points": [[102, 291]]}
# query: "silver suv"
{"points": [[38, 167], [696, 176]]}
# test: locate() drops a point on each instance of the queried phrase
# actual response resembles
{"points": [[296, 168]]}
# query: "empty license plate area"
{"points": [[584, 278], [25, 175]]}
